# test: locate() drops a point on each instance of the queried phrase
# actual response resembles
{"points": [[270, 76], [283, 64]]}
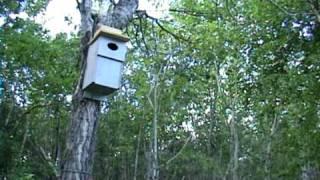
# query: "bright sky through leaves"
{"points": [[58, 11]]}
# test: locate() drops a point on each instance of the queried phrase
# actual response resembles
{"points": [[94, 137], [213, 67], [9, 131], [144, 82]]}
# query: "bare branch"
{"points": [[282, 8], [144, 13], [29, 110], [169, 32], [143, 38], [78, 4], [42, 153], [180, 151], [190, 12]]}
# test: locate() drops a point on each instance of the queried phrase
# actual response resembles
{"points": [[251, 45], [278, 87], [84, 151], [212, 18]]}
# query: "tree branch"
{"points": [[169, 32], [78, 4], [44, 156], [315, 9], [144, 13], [143, 38], [121, 14], [190, 12], [180, 151], [282, 9]]}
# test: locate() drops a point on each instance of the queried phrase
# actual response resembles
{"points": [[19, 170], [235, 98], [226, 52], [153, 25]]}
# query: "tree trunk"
{"points": [[268, 157], [136, 161], [153, 167], [81, 140], [235, 145], [235, 150]]}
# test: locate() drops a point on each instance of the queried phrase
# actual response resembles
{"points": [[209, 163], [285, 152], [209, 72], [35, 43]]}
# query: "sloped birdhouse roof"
{"points": [[110, 32]]}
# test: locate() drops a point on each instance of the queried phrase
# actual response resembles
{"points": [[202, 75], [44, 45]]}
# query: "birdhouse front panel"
{"points": [[108, 72]]}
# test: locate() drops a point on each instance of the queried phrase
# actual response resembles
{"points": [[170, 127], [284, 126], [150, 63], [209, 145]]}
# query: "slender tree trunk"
{"points": [[268, 150], [136, 161], [81, 140], [57, 148], [211, 121], [153, 168], [155, 171], [235, 141]]}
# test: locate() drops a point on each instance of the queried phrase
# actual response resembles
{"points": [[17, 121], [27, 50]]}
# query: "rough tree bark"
{"points": [[81, 140]]}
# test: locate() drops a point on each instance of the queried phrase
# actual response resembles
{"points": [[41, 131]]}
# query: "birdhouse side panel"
{"points": [[108, 73], [111, 48], [90, 74]]}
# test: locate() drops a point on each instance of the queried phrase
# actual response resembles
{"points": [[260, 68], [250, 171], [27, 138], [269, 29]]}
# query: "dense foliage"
{"points": [[217, 90]]}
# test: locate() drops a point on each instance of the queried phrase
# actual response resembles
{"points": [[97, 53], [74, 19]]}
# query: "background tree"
{"points": [[33, 107]]}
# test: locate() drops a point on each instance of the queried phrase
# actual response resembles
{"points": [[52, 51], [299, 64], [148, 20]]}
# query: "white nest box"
{"points": [[105, 59]]}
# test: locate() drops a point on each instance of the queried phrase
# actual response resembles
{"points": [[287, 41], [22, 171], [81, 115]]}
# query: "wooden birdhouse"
{"points": [[105, 59]]}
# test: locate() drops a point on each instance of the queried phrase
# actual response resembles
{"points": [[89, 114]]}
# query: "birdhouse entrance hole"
{"points": [[112, 46]]}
